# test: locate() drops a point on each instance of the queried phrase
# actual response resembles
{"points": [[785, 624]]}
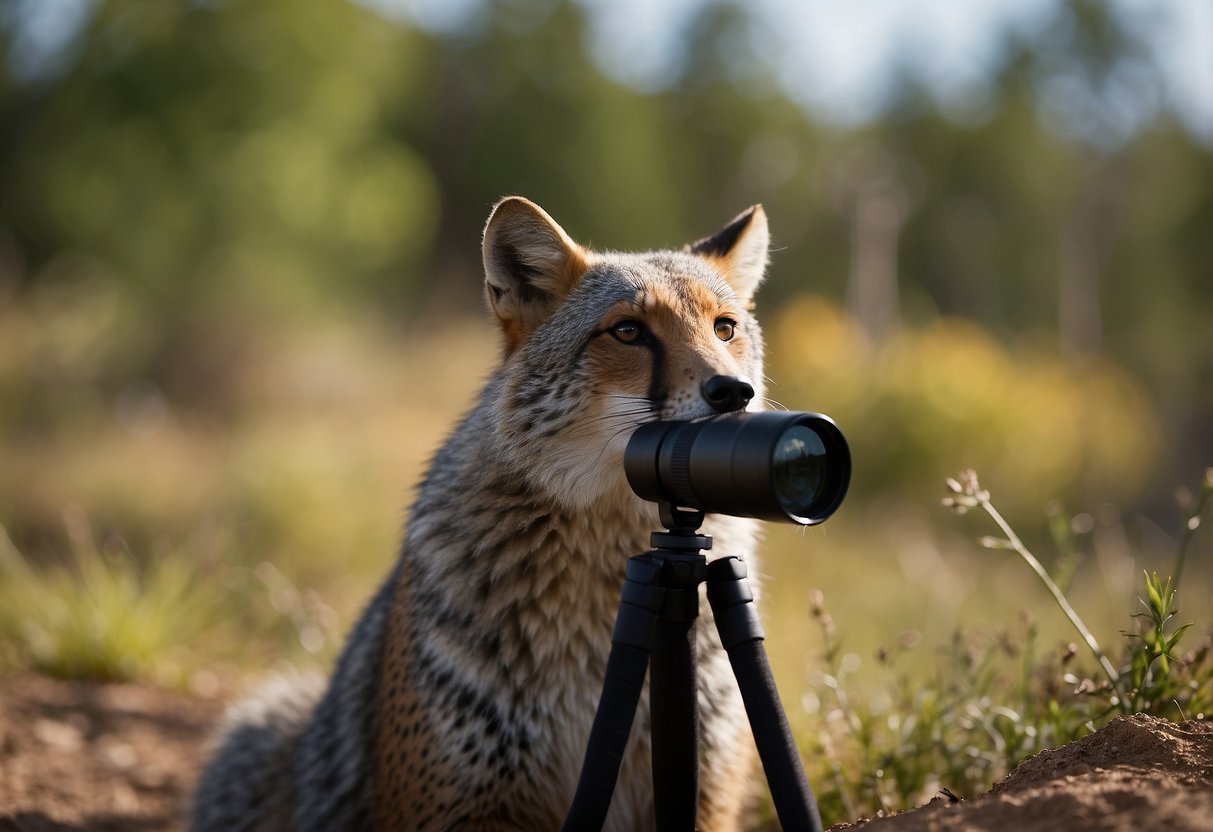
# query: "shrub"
{"points": [[995, 697]]}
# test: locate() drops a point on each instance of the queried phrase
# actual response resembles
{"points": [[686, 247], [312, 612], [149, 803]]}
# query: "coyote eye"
{"points": [[725, 329], [628, 332]]}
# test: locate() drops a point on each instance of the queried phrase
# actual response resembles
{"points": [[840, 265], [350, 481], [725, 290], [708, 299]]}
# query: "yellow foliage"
{"points": [[949, 394]]}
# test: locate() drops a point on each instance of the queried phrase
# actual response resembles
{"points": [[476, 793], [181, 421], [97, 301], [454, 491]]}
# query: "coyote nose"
{"points": [[727, 393]]}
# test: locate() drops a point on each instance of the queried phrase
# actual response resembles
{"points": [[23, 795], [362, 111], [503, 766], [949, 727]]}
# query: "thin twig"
{"points": [[1192, 525], [1054, 589]]}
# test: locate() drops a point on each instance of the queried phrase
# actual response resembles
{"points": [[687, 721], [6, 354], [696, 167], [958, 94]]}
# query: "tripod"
{"points": [[657, 612]]}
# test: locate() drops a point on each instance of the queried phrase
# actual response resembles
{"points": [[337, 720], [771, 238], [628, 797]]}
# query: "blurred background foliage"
{"points": [[240, 291]]}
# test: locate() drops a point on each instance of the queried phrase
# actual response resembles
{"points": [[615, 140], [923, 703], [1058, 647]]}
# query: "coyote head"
{"points": [[596, 343]]}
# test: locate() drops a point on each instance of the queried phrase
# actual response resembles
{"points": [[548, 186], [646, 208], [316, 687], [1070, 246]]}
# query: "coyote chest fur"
{"points": [[464, 696]]}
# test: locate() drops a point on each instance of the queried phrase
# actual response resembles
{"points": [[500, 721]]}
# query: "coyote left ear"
{"points": [[739, 250], [530, 266]]}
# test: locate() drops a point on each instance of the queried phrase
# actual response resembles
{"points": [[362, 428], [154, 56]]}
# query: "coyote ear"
{"points": [[530, 265], [739, 250]]}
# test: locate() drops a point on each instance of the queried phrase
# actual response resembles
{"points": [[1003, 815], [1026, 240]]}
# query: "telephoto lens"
{"points": [[791, 467]]}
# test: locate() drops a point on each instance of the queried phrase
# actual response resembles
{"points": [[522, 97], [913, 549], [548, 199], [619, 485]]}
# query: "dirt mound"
{"points": [[1135, 773], [75, 755]]}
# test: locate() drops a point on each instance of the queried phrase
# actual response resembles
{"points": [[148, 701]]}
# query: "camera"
{"points": [[792, 467]]}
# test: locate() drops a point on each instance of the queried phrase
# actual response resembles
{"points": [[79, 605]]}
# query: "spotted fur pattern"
{"points": [[465, 694]]}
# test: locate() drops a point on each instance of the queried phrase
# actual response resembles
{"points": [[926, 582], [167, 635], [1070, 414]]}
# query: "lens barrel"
{"points": [[791, 467]]}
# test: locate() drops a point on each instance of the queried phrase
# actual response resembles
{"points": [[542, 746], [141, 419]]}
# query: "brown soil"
{"points": [[1135, 773], [75, 755]]}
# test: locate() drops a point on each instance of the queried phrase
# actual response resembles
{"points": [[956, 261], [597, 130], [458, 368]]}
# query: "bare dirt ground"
{"points": [[75, 755], [1135, 773]]}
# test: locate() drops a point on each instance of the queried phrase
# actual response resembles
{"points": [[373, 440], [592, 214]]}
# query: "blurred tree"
{"points": [[520, 109], [197, 148], [1032, 215], [743, 141]]}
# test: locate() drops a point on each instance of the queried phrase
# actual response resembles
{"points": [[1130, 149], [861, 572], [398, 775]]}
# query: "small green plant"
{"points": [[1153, 646]]}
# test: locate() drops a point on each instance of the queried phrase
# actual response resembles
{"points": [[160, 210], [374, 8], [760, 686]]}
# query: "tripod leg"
{"points": [[674, 702], [630, 646], [741, 634], [608, 737]]}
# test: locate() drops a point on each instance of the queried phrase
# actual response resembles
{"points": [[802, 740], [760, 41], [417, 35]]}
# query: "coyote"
{"points": [[464, 696]]}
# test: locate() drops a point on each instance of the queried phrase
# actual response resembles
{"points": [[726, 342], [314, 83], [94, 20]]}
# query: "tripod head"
{"points": [[682, 530]]}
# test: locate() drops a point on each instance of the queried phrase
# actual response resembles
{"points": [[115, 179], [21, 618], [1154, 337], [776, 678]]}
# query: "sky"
{"points": [[837, 58]]}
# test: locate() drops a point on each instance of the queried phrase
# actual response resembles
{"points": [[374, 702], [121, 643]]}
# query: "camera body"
{"points": [[786, 466]]}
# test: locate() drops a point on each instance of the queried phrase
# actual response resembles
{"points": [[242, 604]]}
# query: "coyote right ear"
{"points": [[739, 250], [530, 266]]}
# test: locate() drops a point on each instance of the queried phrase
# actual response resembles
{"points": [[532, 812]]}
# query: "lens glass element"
{"points": [[798, 469]]}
